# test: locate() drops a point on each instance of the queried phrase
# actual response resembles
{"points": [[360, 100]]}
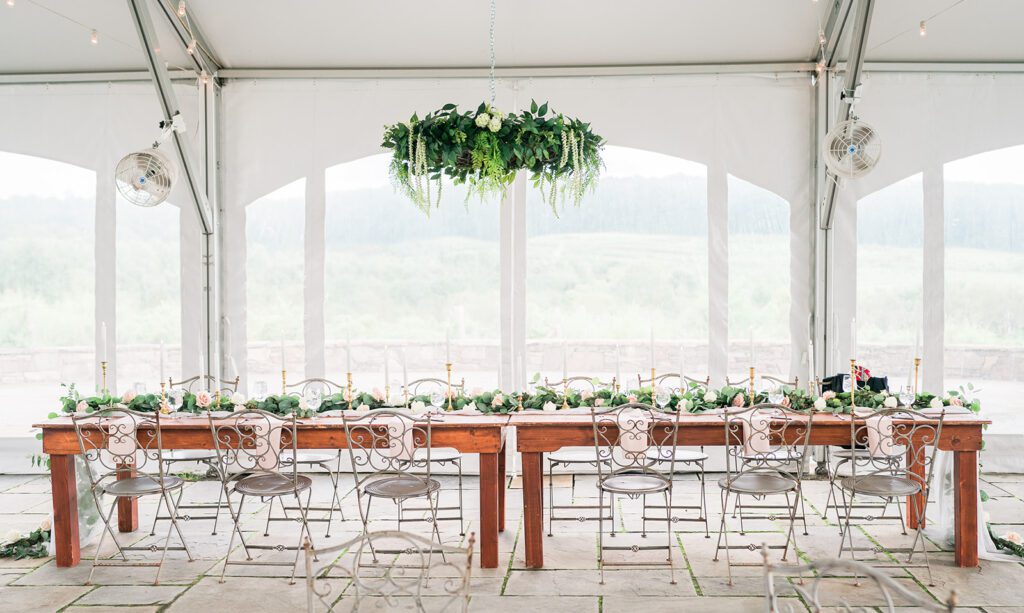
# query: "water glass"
{"points": [[260, 390], [907, 397], [776, 394], [662, 397], [139, 388]]}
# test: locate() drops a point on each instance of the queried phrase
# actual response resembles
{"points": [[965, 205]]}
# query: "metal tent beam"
{"points": [[851, 80], [203, 56], [835, 26], [169, 105]]}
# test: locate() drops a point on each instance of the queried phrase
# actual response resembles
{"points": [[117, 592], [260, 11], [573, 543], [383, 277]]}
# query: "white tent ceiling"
{"points": [[41, 36]]}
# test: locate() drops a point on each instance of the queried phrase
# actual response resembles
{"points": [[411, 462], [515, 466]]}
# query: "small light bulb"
{"points": [[181, 8], [819, 67], [924, 29], [821, 37], [94, 37], [205, 78], [10, 2], [191, 46]]}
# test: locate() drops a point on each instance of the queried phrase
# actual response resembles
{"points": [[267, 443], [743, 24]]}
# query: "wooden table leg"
{"points": [[489, 487], [533, 508], [502, 486], [64, 491], [915, 465], [965, 478], [127, 508]]}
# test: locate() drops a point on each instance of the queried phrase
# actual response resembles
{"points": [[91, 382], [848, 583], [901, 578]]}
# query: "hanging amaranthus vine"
{"points": [[485, 149]]}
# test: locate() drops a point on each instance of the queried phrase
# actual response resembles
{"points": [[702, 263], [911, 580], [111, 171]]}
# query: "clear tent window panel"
{"points": [[984, 280], [275, 280], [148, 293], [890, 230], [759, 288], [47, 286], [399, 279], [630, 259]]}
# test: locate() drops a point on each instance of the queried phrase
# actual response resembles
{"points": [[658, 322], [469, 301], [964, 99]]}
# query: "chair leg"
{"points": [[643, 529], [845, 531], [304, 531], [803, 511], [611, 512], [103, 534], [231, 541], [551, 496], [600, 533], [791, 533], [220, 496], [173, 511], [462, 524], [703, 499], [738, 510], [270, 512], [724, 534], [668, 531]]}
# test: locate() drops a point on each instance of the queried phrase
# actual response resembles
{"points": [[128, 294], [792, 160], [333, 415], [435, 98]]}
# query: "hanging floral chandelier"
{"points": [[485, 148]]}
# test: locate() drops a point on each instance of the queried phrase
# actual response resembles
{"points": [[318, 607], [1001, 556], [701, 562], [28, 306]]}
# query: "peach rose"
{"points": [[631, 398], [81, 407], [586, 395], [599, 402], [377, 394], [829, 395], [497, 401], [127, 397], [738, 400], [956, 401], [203, 399], [785, 402]]}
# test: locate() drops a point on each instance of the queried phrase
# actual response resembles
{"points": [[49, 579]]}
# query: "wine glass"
{"points": [[907, 397], [776, 394], [260, 390], [437, 400], [847, 384], [662, 397], [175, 398], [139, 388]]}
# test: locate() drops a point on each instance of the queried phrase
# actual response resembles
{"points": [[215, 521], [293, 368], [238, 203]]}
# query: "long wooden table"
{"points": [[538, 433], [480, 434]]}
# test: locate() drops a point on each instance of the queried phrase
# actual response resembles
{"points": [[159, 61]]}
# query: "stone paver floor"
{"points": [[569, 581]]}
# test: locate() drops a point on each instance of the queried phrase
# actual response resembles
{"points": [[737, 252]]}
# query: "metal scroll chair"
{"points": [[809, 592], [329, 461], [253, 441], [123, 453], [889, 433], [575, 456], [626, 434], [207, 457], [397, 583], [382, 446], [684, 457], [442, 456], [764, 446]]}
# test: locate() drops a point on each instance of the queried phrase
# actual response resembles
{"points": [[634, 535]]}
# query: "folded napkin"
{"points": [[757, 434], [881, 436]]}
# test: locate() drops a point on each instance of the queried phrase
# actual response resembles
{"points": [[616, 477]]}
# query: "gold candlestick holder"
{"points": [[284, 382], [103, 384], [565, 393], [448, 369], [348, 388], [853, 383], [163, 398], [520, 401], [387, 395], [405, 396], [752, 392], [917, 373], [654, 393]]}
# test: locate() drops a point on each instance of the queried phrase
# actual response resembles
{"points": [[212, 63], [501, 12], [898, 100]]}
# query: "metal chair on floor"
{"points": [[206, 457], [329, 461], [764, 444], [569, 457], [891, 591], [393, 584], [889, 433], [626, 435], [253, 441], [687, 458], [382, 447], [123, 454], [442, 456]]}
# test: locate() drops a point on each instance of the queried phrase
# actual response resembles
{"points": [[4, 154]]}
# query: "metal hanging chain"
{"points": [[494, 84]]}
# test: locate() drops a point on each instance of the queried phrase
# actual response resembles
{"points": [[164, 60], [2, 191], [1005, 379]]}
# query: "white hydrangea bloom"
{"points": [[482, 120]]}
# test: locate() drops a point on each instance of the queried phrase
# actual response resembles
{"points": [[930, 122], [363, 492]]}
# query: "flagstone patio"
{"points": [[569, 581]]}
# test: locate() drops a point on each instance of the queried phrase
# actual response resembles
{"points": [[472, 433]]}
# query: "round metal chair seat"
{"points": [[634, 483], [862, 453], [682, 455], [782, 454], [848, 454], [189, 455], [881, 485], [438, 454], [271, 484], [758, 483], [587, 455], [309, 458], [401, 487], [141, 486]]}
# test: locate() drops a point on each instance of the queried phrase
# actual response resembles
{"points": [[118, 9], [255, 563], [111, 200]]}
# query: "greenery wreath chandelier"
{"points": [[485, 148]]}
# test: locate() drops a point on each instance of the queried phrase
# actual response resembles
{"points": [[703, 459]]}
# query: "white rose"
{"points": [[550, 406], [890, 402], [819, 403], [418, 406], [363, 408], [482, 120], [238, 399], [46, 524], [710, 396], [11, 536], [494, 124], [303, 405], [936, 403]]}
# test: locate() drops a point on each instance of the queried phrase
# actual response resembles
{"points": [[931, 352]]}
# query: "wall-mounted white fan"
{"points": [[145, 178], [851, 149]]}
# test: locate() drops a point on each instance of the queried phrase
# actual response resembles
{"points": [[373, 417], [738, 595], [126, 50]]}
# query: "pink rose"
{"points": [[378, 395], [203, 399], [81, 407], [127, 397], [631, 398], [738, 400], [599, 402], [586, 395], [829, 395], [497, 401], [476, 391], [785, 402], [956, 401]]}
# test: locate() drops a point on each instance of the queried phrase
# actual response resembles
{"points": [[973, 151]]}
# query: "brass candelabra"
{"points": [[284, 382], [163, 398], [752, 392], [103, 385], [917, 372], [348, 388], [853, 384], [448, 369], [565, 393]]}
